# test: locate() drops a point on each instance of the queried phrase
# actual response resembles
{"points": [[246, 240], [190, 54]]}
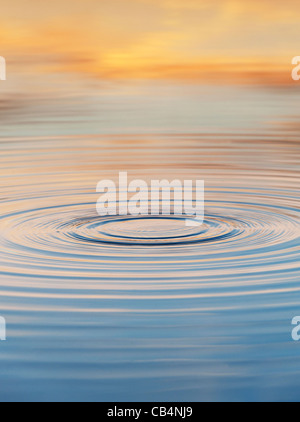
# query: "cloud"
{"points": [[229, 39]]}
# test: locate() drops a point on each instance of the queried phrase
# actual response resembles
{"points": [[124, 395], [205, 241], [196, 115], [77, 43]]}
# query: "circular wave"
{"points": [[239, 237]]}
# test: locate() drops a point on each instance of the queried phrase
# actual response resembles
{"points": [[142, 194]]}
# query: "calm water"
{"points": [[149, 309]]}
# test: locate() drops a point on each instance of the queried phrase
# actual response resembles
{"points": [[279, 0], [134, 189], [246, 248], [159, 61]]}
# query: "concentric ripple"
{"points": [[234, 234], [147, 231]]}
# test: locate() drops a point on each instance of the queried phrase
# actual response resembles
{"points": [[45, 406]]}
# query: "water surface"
{"points": [[142, 309]]}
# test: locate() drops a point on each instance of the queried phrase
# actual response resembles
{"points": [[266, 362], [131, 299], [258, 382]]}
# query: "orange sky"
{"points": [[236, 40]]}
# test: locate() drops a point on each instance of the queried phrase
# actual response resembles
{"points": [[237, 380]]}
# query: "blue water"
{"points": [[147, 309]]}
